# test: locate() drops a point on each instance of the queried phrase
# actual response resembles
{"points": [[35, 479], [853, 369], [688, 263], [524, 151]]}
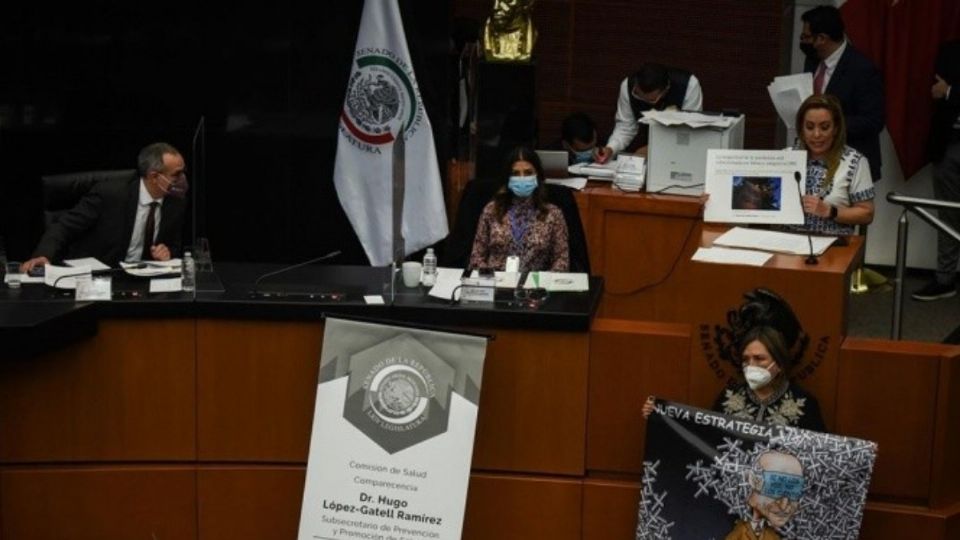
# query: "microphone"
{"points": [[92, 273], [256, 284], [811, 258]]}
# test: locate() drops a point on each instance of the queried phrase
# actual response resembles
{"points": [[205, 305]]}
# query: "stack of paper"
{"points": [[152, 268], [631, 172], [572, 183], [604, 171], [686, 118], [780, 242], [788, 92], [721, 255]]}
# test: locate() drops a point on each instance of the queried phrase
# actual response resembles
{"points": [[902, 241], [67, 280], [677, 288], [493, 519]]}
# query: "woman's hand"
{"points": [[648, 406], [814, 205]]}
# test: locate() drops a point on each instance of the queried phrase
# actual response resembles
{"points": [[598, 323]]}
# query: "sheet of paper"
{"points": [[158, 285], [721, 255], [24, 278], [605, 171], [152, 268], [448, 279], [558, 281], [63, 277], [788, 92], [373, 299], [776, 241], [692, 119], [577, 183], [755, 186], [92, 262], [507, 280]]}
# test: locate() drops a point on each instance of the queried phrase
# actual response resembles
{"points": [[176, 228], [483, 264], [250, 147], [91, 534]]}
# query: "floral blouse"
{"points": [[540, 242], [789, 406]]}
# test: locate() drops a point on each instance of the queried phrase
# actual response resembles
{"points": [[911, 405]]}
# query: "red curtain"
{"points": [[902, 37]]}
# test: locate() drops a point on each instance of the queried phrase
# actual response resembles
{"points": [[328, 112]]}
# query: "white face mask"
{"points": [[757, 377]]}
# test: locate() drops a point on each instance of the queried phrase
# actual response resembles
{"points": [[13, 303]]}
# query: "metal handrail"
{"points": [[919, 207]]}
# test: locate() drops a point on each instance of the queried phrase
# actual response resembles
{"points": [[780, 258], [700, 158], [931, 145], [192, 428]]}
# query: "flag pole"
{"points": [[398, 185]]}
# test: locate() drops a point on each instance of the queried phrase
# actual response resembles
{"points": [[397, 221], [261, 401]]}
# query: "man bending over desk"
{"points": [[124, 220], [652, 87]]}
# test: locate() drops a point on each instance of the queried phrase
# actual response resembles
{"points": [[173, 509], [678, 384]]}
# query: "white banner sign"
{"points": [[393, 433], [755, 186]]}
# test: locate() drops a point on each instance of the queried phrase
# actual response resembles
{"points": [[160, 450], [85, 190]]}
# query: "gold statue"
{"points": [[508, 34]]}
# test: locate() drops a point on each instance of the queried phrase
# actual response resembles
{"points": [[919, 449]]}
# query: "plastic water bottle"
{"points": [[429, 277], [189, 273]]}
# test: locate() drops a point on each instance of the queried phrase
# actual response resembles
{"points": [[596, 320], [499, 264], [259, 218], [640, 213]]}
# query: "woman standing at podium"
{"points": [[519, 222], [839, 191]]}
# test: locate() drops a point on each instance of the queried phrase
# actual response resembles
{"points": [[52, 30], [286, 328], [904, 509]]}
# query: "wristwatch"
{"points": [[833, 213]]}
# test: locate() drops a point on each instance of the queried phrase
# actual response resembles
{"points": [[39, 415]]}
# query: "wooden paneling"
{"points": [[522, 508], [99, 503], [893, 521], [125, 395], [610, 509], [888, 394], [249, 503], [629, 361], [256, 384], [533, 404], [946, 443]]}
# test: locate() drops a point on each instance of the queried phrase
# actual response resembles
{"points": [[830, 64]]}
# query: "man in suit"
{"points": [[841, 70], [129, 220], [652, 87], [944, 151]]}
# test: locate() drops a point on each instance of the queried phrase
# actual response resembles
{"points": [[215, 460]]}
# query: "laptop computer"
{"points": [[554, 163]]}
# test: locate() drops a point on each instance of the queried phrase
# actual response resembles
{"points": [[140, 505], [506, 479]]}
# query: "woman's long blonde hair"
{"points": [[832, 104]]}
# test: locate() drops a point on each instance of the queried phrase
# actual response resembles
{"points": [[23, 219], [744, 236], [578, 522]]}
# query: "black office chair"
{"points": [[61, 192], [477, 194]]}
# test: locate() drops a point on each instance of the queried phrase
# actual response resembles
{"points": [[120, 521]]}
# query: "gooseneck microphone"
{"points": [[811, 258], [256, 284]]}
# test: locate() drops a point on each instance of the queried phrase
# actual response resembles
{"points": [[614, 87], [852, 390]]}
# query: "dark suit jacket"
{"points": [[946, 110], [101, 223], [856, 82]]}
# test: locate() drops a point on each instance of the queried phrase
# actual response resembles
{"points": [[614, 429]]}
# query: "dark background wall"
{"points": [[85, 86]]}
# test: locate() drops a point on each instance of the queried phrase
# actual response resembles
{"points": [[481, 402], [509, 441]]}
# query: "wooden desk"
{"points": [[642, 244]]}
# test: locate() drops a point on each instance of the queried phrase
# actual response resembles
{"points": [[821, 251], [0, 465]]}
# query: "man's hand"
{"points": [[34, 262], [160, 252], [602, 155], [939, 89]]}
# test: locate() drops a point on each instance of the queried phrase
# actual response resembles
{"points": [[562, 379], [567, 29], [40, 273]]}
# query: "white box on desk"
{"points": [[677, 155]]}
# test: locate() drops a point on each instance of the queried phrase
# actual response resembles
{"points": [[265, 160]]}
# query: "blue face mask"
{"points": [[583, 156], [522, 186]]}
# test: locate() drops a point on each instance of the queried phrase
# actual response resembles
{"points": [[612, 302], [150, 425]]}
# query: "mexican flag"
{"points": [[382, 103]]}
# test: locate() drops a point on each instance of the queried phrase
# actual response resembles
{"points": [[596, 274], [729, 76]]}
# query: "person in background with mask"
{"points": [[578, 138], [652, 87], [519, 222], [136, 220], [767, 394], [842, 71]]}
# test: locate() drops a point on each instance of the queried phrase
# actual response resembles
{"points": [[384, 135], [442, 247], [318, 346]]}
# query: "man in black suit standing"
{"points": [[944, 151], [841, 70], [130, 220]]}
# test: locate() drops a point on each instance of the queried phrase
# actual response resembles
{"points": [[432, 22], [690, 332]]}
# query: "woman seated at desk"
{"points": [[519, 222], [839, 192]]}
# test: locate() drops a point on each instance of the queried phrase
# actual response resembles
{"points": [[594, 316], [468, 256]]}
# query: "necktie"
{"points": [[818, 78], [148, 232]]}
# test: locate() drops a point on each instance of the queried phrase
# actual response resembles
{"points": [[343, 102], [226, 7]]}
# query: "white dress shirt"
{"points": [[831, 65], [140, 223], [626, 127]]}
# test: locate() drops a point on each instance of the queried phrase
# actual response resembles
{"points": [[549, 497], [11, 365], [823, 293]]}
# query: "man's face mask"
{"points": [[583, 156], [651, 98]]}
